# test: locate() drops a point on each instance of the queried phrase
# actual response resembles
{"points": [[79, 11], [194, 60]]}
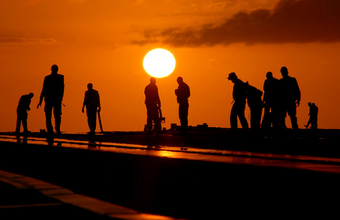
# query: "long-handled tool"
{"points": [[100, 122]]}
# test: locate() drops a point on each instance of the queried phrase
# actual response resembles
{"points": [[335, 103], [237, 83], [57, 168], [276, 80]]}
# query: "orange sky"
{"points": [[105, 41]]}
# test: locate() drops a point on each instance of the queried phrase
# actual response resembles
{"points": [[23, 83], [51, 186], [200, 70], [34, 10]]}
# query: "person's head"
{"points": [[179, 80], [269, 75], [54, 68], [31, 95], [232, 76], [153, 80], [89, 86], [309, 104], [284, 71]]}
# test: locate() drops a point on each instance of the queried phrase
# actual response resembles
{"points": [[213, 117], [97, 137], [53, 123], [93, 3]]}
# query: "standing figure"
{"points": [[53, 93], [92, 103], [23, 107], [313, 116], [255, 103], [239, 95], [270, 99], [153, 104], [291, 96], [183, 93]]}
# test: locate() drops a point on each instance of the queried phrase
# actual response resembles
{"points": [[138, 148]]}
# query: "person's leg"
{"points": [[48, 115], [183, 116], [57, 116], [292, 115], [233, 117]]}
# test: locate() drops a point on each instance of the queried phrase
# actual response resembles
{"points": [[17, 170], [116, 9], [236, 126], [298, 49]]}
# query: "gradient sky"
{"points": [[105, 41]]}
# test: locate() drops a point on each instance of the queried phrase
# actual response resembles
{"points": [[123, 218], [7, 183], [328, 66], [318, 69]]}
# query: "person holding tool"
{"points": [[153, 106]]}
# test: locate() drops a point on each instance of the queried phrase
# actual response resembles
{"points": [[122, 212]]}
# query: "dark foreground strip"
{"points": [[66, 196]]}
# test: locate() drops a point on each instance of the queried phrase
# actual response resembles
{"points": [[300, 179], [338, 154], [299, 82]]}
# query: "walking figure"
{"points": [[153, 104], [92, 103], [270, 99], [313, 116], [53, 93], [22, 109], [291, 96], [183, 93], [239, 95]]}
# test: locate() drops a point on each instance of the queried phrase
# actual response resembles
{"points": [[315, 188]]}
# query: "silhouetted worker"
{"points": [[270, 99], [313, 116], [23, 107], [92, 103], [291, 96], [52, 92], [183, 93], [239, 95], [153, 104], [254, 99]]}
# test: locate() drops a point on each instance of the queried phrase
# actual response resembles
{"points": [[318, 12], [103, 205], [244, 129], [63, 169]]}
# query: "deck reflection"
{"points": [[320, 164]]}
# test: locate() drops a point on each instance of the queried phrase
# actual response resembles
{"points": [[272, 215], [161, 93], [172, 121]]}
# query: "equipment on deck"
{"points": [[161, 118]]}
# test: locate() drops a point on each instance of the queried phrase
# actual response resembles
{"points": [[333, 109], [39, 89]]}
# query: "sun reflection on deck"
{"points": [[320, 164]]}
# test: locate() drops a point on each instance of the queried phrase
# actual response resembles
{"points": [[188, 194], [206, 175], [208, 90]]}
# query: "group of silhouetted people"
{"points": [[52, 93], [153, 105], [280, 97]]}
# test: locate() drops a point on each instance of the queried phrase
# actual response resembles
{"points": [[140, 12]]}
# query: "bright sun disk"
{"points": [[159, 63]]}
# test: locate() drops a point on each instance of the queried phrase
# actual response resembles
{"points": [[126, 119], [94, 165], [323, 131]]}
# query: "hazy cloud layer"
{"points": [[18, 40], [291, 21]]}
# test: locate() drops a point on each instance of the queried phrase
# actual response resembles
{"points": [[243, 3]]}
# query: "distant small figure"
{"points": [[92, 103], [291, 96], [270, 99], [53, 93], [183, 93], [22, 109], [239, 95], [313, 116], [255, 103], [153, 104]]}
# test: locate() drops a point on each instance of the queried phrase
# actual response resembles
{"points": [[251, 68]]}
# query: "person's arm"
{"points": [[84, 103], [298, 94], [42, 94], [99, 108]]}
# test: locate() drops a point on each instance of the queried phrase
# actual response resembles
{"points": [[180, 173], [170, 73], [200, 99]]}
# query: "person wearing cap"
{"points": [[183, 93], [23, 107], [52, 92], [238, 108], [291, 97]]}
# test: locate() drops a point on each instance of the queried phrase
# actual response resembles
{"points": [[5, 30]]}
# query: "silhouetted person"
{"points": [[183, 93], [92, 103], [270, 99], [52, 92], [23, 107], [291, 96], [153, 104], [254, 99], [239, 95], [313, 116]]}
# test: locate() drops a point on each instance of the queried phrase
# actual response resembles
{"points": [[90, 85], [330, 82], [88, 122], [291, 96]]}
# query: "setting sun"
{"points": [[159, 63]]}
